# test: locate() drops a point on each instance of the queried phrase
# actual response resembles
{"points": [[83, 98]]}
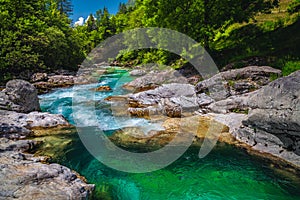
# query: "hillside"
{"points": [[268, 39]]}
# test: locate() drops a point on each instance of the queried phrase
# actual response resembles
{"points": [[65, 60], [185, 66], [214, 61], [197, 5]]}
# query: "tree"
{"points": [[104, 23], [122, 8], [91, 23], [200, 19], [65, 7], [36, 36]]}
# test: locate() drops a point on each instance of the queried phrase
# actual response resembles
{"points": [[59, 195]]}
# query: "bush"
{"points": [[290, 67]]}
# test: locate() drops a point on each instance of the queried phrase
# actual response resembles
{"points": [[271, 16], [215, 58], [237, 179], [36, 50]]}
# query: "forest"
{"points": [[38, 35]]}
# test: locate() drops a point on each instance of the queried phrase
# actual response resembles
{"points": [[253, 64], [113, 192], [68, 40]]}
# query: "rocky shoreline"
{"points": [[262, 113], [22, 175], [248, 107]]}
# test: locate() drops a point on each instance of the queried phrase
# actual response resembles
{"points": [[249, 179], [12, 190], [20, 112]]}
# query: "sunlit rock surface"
{"points": [[273, 124], [23, 176], [19, 96]]}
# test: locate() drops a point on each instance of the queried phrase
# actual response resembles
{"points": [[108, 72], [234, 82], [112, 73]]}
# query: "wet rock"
{"points": [[19, 96], [145, 112], [102, 89]]}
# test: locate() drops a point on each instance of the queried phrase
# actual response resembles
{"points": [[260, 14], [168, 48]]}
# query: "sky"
{"points": [[83, 8]]}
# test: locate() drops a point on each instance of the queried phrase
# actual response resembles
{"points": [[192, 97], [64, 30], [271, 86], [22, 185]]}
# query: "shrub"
{"points": [[290, 67]]}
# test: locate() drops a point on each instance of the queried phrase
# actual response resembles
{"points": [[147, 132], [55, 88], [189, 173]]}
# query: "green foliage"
{"points": [[294, 6], [36, 35], [231, 83], [290, 67], [241, 111], [273, 37], [202, 20], [273, 77], [64, 7]]}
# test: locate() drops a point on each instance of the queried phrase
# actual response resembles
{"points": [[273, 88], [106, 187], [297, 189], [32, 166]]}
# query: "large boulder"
{"points": [[169, 99], [172, 100], [237, 81], [273, 124], [23, 176], [153, 97], [153, 80], [19, 96], [239, 103]]}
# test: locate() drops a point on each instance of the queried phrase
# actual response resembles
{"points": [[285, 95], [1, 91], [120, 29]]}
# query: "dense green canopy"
{"points": [[38, 35]]}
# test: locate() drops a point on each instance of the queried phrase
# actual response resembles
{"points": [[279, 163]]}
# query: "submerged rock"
{"points": [[102, 89], [19, 96], [135, 138]]}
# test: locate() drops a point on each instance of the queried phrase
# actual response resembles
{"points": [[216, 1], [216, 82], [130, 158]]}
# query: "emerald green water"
{"points": [[226, 173]]}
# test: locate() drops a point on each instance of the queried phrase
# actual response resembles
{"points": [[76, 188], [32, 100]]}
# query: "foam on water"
{"points": [[60, 102]]}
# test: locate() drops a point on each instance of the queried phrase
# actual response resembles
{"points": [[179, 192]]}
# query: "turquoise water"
{"points": [[226, 173]]}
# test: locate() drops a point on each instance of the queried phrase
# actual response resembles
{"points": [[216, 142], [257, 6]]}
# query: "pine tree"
{"points": [[65, 7], [91, 23]]}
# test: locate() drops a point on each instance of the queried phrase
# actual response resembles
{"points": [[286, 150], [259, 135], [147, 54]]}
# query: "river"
{"points": [[227, 172]]}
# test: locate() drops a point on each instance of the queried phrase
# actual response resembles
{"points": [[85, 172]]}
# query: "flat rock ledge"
{"points": [[15, 125]]}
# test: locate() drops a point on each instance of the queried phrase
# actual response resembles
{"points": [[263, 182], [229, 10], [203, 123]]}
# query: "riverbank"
{"points": [[261, 113], [22, 175]]}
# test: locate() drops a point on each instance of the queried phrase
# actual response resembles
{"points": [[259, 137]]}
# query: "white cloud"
{"points": [[80, 22]]}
